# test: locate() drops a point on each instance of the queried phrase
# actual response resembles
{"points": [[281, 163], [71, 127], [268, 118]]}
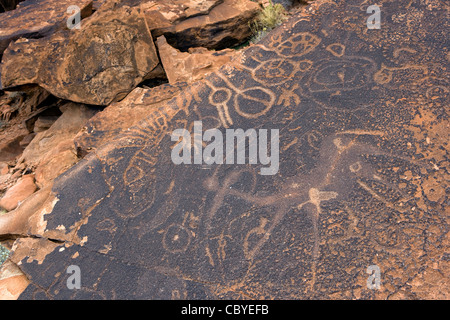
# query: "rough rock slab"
{"points": [[363, 120], [53, 151], [7, 5], [119, 116], [225, 26], [165, 12], [24, 188], [173, 11], [17, 222], [193, 65], [37, 18], [102, 62], [214, 24], [12, 282]]}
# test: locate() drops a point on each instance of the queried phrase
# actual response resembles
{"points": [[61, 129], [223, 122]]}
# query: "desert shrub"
{"points": [[4, 253], [269, 18]]}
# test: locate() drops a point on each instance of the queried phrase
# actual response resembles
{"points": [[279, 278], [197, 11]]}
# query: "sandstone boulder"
{"points": [[52, 151], [4, 169], [193, 65], [101, 63], [20, 221], [12, 281], [19, 192], [36, 18], [44, 122], [226, 25], [166, 13]]}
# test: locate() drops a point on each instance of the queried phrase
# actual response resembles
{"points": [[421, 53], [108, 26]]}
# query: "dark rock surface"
{"points": [[363, 120], [7, 5]]}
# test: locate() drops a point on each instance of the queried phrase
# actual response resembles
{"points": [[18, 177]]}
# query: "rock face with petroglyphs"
{"points": [[98, 64], [122, 115], [363, 128]]}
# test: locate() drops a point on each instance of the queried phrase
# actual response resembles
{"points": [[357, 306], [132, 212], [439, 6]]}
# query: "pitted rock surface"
{"points": [[364, 133]]}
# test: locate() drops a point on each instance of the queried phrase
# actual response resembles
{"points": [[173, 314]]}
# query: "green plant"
{"points": [[269, 18], [4, 253]]}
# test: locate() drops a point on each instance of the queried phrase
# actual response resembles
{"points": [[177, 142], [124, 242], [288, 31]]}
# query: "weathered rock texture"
{"points": [[53, 151], [3, 168], [12, 281], [18, 222], [102, 62], [18, 193], [213, 24], [96, 5], [193, 65], [10, 147], [226, 25], [13, 107], [364, 142], [166, 13], [37, 18], [7, 5], [120, 116]]}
